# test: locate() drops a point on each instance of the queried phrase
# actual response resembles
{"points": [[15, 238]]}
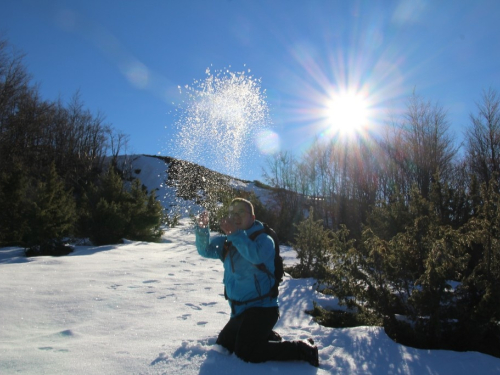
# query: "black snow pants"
{"points": [[247, 336]]}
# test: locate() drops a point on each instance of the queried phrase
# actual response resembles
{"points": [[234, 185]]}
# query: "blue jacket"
{"points": [[242, 279]]}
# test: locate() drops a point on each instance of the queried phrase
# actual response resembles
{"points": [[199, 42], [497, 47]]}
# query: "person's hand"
{"points": [[227, 226], [203, 219]]}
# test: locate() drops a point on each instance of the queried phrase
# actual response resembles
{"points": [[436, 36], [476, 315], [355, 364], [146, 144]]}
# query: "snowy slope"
{"points": [[153, 173], [144, 308]]}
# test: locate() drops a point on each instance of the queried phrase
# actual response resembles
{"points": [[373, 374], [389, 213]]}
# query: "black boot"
{"points": [[308, 352]]}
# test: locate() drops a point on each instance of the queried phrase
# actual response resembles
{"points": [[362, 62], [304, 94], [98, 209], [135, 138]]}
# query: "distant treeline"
{"points": [[58, 175]]}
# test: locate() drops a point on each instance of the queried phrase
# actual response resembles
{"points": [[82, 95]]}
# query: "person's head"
{"points": [[242, 214]]}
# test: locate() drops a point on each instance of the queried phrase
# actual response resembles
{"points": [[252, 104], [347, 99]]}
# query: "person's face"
{"points": [[241, 216]]}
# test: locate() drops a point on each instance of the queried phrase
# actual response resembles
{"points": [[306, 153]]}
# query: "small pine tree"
{"points": [[112, 212], [312, 243], [155, 216], [109, 222], [479, 294], [390, 218], [103, 219], [51, 217], [343, 270], [145, 214]]}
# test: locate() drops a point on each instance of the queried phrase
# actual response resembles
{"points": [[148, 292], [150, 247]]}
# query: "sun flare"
{"points": [[347, 113]]}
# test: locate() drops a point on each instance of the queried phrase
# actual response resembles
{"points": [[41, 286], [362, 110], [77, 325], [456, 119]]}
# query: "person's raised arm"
{"points": [[203, 245]]}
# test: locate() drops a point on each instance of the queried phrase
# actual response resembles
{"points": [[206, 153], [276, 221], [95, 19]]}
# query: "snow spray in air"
{"points": [[218, 120]]}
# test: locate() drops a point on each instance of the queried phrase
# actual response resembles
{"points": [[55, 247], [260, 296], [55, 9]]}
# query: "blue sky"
{"points": [[128, 58]]}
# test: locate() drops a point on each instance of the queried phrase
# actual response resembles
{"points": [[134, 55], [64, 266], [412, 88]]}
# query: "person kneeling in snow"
{"points": [[249, 332]]}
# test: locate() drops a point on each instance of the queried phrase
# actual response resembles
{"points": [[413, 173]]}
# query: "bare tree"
{"points": [[392, 175], [280, 171], [282, 176], [14, 81], [14, 84], [421, 145], [118, 142], [483, 138]]}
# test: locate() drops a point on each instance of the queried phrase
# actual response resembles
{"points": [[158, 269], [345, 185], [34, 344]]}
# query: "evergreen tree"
{"points": [[109, 222], [51, 216], [145, 214], [103, 219], [390, 218], [343, 269], [479, 294], [407, 274], [111, 212], [313, 244], [433, 297]]}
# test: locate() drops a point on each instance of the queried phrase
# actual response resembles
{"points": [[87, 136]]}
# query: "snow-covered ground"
{"points": [[156, 308]]}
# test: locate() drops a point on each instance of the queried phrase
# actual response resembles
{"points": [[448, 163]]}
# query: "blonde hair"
{"points": [[245, 202]]}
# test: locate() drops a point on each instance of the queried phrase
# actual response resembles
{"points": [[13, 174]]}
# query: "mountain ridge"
{"points": [[181, 185]]}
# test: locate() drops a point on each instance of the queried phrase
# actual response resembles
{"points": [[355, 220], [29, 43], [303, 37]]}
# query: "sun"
{"points": [[346, 113]]}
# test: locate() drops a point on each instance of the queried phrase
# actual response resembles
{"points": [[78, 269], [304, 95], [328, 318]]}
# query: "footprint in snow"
{"points": [[66, 333], [193, 306], [49, 348], [161, 357]]}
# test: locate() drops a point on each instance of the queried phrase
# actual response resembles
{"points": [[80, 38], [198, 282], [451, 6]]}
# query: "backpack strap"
{"points": [[255, 234], [225, 249], [261, 266]]}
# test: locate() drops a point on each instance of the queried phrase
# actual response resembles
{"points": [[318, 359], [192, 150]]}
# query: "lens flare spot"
{"points": [[268, 142], [136, 73]]}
